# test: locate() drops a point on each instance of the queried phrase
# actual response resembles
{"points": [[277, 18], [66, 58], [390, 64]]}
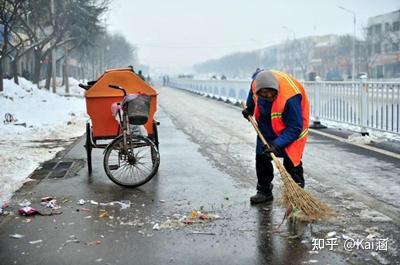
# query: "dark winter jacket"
{"points": [[292, 117]]}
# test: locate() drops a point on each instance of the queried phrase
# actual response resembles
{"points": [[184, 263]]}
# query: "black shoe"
{"points": [[261, 197]]}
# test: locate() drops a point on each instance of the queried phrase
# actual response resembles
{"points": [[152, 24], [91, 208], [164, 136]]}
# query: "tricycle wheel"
{"points": [[133, 163], [88, 147]]}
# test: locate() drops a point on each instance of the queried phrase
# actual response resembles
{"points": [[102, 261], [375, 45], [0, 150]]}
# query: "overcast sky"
{"points": [[175, 34]]}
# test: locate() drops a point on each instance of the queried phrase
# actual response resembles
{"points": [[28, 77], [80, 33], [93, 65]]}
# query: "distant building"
{"points": [[383, 40], [329, 57]]}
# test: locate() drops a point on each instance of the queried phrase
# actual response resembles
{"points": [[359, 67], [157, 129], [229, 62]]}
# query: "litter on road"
{"points": [[51, 204], [203, 217], [202, 233], [124, 204], [47, 199], [330, 234], [27, 211], [188, 221], [93, 243], [35, 242], [16, 236], [104, 215]]}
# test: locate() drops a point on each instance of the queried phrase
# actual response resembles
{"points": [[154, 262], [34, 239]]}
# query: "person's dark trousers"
{"points": [[265, 172], [295, 172]]}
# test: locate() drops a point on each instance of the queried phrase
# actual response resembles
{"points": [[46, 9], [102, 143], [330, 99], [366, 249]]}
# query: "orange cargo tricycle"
{"points": [[121, 107]]}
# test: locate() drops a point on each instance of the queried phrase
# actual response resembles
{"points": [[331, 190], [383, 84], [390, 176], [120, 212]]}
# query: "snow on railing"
{"points": [[367, 105]]}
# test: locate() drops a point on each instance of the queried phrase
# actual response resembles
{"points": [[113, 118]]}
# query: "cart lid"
{"points": [[124, 77]]}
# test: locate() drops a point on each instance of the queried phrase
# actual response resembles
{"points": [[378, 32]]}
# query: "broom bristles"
{"points": [[296, 198]]}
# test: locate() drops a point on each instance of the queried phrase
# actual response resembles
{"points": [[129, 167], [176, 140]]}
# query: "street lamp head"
{"points": [[347, 10]]}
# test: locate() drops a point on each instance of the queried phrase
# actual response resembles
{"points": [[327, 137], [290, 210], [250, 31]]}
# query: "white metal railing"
{"points": [[364, 104]]}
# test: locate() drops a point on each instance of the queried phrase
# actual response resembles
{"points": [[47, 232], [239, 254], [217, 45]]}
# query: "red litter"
{"points": [[188, 221], [27, 211], [203, 217]]}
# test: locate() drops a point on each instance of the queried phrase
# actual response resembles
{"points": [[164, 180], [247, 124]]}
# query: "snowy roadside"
{"points": [[42, 124]]}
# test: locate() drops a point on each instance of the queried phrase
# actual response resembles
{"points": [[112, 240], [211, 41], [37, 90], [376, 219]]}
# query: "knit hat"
{"points": [[265, 79]]}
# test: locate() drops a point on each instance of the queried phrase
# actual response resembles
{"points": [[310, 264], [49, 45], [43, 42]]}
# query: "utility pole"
{"points": [[354, 41], [53, 51]]}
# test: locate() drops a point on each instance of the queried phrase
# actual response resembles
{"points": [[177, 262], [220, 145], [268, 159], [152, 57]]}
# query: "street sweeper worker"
{"points": [[280, 106]]}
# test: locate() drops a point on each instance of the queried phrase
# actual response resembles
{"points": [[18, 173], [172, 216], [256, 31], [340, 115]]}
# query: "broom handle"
{"points": [[254, 123]]}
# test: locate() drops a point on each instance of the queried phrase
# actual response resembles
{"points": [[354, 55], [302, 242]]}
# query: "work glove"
{"points": [[271, 149], [246, 113]]}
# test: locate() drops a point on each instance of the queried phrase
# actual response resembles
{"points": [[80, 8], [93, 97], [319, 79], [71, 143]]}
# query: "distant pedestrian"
{"points": [[141, 75], [255, 73]]}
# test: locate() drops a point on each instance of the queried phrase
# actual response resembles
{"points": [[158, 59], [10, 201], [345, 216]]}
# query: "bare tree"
{"points": [[74, 22], [303, 51], [9, 12]]}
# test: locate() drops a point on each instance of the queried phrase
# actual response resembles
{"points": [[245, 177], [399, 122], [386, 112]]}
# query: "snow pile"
{"points": [[374, 135], [34, 125], [359, 139]]}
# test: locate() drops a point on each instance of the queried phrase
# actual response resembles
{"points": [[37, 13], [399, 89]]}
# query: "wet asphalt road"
{"points": [[188, 179]]}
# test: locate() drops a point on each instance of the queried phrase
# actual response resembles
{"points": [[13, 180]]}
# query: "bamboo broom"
{"points": [[294, 198]]}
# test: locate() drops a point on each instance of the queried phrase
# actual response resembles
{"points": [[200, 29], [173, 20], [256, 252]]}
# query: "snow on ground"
{"points": [[43, 124], [374, 135]]}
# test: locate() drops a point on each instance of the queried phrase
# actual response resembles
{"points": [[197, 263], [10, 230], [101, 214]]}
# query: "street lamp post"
{"points": [[354, 40]]}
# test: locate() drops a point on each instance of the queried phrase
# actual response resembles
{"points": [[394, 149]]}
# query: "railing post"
{"points": [[364, 107], [317, 90]]}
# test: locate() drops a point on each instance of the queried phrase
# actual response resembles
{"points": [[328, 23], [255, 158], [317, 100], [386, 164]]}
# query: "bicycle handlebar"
{"points": [[118, 87], [84, 87]]}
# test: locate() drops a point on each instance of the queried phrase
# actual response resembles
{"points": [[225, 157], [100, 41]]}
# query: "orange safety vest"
{"points": [[288, 88]]}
